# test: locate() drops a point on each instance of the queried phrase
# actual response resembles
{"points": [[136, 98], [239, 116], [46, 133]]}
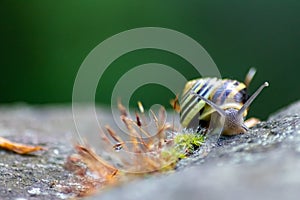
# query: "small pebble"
{"points": [[34, 191], [55, 151]]}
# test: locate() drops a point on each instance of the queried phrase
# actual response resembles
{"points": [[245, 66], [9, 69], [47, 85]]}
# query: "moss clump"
{"points": [[188, 142], [184, 144]]}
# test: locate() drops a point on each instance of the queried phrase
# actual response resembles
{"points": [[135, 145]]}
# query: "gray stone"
{"points": [[262, 164], [293, 109]]}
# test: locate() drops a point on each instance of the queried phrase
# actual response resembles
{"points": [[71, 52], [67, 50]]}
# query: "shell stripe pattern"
{"points": [[224, 92]]}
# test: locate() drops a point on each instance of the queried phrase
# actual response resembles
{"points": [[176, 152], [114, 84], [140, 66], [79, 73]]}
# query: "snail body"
{"points": [[204, 97]]}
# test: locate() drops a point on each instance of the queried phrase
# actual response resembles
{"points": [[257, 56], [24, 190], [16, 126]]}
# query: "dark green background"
{"points": [[43, 44]]}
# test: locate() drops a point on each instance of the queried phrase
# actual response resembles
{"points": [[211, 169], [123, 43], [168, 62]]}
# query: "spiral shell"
{"points": [[202, 97]]}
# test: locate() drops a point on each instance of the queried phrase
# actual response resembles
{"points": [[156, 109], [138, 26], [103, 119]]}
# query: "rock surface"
{"points": [[262, 164], [39, 175]]}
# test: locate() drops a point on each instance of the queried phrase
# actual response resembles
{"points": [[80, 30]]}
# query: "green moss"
{"points": [[188, 142], [184, 144]]}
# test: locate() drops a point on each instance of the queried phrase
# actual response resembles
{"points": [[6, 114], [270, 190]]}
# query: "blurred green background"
{"points": [[43, 44]]}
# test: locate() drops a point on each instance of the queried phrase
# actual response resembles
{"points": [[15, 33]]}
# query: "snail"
{"points": [[204, 97]]}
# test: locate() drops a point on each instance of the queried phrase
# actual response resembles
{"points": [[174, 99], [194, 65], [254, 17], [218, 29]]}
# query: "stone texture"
{"points": [[262, 164]]}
